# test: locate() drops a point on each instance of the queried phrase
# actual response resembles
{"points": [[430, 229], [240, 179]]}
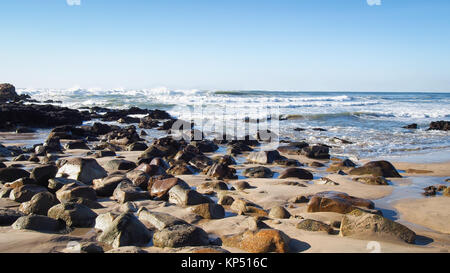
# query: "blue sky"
{"points": [[335, 45]]}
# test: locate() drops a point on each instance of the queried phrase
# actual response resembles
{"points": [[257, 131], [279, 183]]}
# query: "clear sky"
{"points": [[398, 45]]}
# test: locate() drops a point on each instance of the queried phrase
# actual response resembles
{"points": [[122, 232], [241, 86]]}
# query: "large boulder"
{"points": [[82, 169], [126, 230], [43, 173], [279, 212], [73, 190], [259, 241], [159, 220], [258, 172], [180, 236], [106, 186], [160, 188], [359, 224], [57, 183], [296, 173], [38, 223], [377, 168], [339, 202], [180, 169], [26, 192], [39, 204], [73, 214], [186, 197], [139, 178], [12, 174], [126, 191], [264, 157], [314, 225]]}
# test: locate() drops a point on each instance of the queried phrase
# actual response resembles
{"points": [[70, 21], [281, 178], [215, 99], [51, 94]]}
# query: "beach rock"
{"points": [[127, 250], [209, 211], [74, 190], [186, 197], [139, 178], [258, 172], [104, 153], [160, 188], [103, 221], [22, 157], [201, 162], [76, 144], [106, 186], [180, 236], [371, 180], [211, 187], [82, 169], [25, 193], [299, 199], [440, 125], [205, 146], [57, 183], [148, 123], [359, 224], [259, 241], [38, 223], [314, 225], [288, 162], [339, 202], [225, 160], [376, 168], [119, 165], [221, 171], [279, 212], [242, 185], [245, 207], [2, 165], [126, 230], [238, 148], [126, 191], [137, 146], [180, 169], [316, 152], [73, 214], [264, 157], [296, 173], [87, 202], [256, 223], [446, 192], [159, 220], [43, 173], [345, 165], [12, 174], [8, 216], [225, 200], [39, 204]]}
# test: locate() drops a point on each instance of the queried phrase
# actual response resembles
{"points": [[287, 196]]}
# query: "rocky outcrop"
{"points": [[43, 173], [82, 169], [12, 174], [440, 125], [316, 152], [8, 93], [359, 224]]}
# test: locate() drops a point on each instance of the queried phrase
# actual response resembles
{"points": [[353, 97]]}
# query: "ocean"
{"points": [[371, 121]]}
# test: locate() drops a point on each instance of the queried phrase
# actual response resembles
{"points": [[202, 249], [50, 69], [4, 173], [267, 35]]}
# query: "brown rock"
{"points": [[260, 241]]}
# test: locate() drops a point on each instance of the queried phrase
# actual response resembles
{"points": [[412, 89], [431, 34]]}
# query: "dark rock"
{"points": [[314, 225], [8, 216], [58, 182], [104, 153], [221, 171], [25, 193], [411, 126], [440, 125], [160, 188], [139, 178], [296, 173], [74, 190], [137, 146], [316, 152], [279, 212], [258, 172], [264, 157], [119, 165], [43, 173], [12, 174], [180, 169], [76, 144], [338, 202]]}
